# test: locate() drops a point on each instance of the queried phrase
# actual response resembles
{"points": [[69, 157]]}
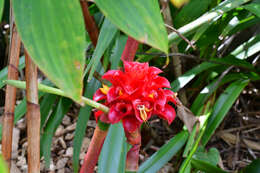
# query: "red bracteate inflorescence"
{"points": [[136, 94]]}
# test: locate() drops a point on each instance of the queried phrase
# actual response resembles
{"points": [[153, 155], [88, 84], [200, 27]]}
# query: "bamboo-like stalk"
{"points": [[10, 97], [33, 115], [90, 24], [130, 49]]}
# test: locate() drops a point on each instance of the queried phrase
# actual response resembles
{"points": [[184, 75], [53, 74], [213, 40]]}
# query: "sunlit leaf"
{"points": [[54, 35], [140, 19]]}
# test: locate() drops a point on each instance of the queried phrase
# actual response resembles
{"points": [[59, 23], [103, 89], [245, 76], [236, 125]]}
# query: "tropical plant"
{"points": [[79, 45]]}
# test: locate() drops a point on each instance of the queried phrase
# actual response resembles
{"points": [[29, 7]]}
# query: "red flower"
{"points": [[135, 95]]}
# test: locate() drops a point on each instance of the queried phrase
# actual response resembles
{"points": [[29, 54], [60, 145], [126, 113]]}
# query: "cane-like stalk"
{"points": [[33, 115], [10, 96]]}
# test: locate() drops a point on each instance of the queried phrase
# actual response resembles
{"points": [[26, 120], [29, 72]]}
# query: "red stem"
{"points": [[132, 157], [10, 97], [90, 23], [94, 150], [130, 49]]}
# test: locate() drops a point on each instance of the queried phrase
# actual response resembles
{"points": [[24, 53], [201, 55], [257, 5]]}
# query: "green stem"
{"points": [[194, 149], [51, 90]]}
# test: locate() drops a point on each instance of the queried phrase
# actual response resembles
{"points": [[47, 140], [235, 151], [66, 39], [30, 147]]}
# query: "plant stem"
{"points": [[130, 49], [90, 23], [10, 97], [33, 115], [194, 148], [132, 157], [94, 148], [51, 90]]}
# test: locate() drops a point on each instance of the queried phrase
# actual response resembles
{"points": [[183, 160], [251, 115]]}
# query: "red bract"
{"points": [[135, 95]]}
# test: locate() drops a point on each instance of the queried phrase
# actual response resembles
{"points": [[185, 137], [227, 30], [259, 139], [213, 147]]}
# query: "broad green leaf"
{"points": [[1, 8], [82, 121], [222, 106], [207, 17], [113, 155], [141, 20], [253, 8], [107, 33], [181, 81], [54, 35], [4, 71], [51, 126], [164, 154], [205, 166]]}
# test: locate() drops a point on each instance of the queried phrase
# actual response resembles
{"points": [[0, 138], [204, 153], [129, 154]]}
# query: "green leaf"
{"points": [[207, 17], [113, 155], [181, 81], [4, 71], [164, 154], [212, 156], [1, 8], [189, 13], [253, 167], [3, 166], [107, 33], [46, 105], [117, 51], [54, 35], [253, 8], [209, 89], [51, 126], [248, 48], [205, 166], [141, 20], [82, 121], [222, 106]]}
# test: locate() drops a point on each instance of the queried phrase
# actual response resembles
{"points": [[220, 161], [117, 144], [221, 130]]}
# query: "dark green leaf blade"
{"points": [[140, 19], [1, 8], [82, 121], [222, 106], [166, 152], [181, 81], [107, 33], [253, 8], [54, 35], [51, 126], [205, 166]]}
